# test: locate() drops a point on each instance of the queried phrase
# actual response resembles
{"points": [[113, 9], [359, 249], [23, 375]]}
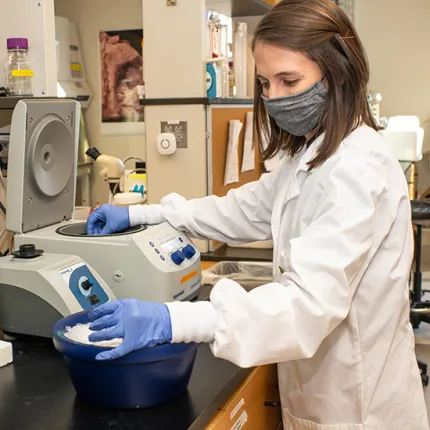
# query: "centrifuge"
{"points": [[152, 263]]}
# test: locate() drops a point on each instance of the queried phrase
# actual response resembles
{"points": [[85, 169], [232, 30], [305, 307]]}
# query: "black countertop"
{"points": [[37, 394]]}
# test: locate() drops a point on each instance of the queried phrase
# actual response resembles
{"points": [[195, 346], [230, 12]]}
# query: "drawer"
{"points": [[246, 409]]}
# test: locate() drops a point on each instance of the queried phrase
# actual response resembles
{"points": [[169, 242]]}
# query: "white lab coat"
{"points": [[337, 318]]}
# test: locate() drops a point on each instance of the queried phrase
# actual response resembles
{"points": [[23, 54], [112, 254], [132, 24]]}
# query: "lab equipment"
{"points": [[152, 263], [214, 33], [374, 100], [239, 57], [231, 80], [6, 353], [140, 324], [112, 169], [144, 378], [17, 70], [405, 137], [128, 199], [71, 76], [37, 289]]}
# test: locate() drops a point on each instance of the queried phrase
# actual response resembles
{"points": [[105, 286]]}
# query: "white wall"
{"points": [[396, 35], [91, 16]]}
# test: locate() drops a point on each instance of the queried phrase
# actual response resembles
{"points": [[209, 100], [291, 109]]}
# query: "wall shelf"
{"points": [[197, 101], [238, 8]]}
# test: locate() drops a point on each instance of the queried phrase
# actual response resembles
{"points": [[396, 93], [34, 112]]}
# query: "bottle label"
{"points": [[76, 67], [20, 73]]}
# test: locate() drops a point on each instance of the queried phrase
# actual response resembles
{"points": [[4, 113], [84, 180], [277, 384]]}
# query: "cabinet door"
{"points": [[247, 408]]}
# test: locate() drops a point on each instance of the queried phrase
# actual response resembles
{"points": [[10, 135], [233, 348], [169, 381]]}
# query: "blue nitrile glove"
{"points": [[140, 324], [108, 219]]}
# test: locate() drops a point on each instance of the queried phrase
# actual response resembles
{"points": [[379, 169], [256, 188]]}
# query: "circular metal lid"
{"points": [[51, 155]]}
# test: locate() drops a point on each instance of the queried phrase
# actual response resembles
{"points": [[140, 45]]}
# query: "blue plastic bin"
{"points": [[144, 378]]}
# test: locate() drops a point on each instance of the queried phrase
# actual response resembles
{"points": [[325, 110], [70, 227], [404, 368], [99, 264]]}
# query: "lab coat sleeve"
{"points": [[289, 320], [242, 216]]}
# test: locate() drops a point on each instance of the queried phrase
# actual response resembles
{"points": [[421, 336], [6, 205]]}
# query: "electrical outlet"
{"points": [[179, 129]]}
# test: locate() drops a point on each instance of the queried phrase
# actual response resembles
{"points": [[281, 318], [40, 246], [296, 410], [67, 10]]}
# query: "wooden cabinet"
{"points": [[247, 408]]}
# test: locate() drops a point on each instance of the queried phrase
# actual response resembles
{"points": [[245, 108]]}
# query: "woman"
{"points": [[336, 316]]}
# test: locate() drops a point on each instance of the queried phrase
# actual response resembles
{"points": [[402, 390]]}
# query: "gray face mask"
{"points": [[300, 113]]}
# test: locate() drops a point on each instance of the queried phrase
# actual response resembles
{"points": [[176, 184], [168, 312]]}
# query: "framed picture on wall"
{"points": [[121, 81]]}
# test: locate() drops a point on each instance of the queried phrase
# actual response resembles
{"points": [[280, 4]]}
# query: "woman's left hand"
{"points": [[140, 324]]}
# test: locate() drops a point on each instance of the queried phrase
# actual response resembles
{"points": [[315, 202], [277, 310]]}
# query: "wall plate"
{"points": [[179, 129]]}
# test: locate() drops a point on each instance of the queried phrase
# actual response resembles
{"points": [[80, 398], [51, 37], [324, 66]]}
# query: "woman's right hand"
{"points": [[108, 219]]}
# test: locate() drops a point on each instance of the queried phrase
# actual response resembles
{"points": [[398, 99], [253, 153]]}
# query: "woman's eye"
{"points": [[290, 83], [264, 85]]}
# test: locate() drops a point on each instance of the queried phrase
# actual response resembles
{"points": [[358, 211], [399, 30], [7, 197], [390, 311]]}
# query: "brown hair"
{"points": [[323, 31]]}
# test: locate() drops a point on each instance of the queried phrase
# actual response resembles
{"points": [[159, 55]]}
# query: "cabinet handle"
{"points": [[272, 404]]}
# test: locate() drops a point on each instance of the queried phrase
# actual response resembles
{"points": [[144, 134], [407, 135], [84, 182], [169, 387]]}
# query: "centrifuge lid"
{"points": [[42, 163]]}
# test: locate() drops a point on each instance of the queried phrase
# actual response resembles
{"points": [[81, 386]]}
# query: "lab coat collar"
{"points": [[309, 154], [292, 188]]}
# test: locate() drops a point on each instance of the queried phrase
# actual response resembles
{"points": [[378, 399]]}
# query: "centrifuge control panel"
{"points": [[84, 286], [172, 249]]}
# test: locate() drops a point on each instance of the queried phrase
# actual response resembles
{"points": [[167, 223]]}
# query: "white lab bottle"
{"points": [[225, 79], [239, 57], [17, 71]]}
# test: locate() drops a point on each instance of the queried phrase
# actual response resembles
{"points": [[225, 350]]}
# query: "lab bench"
{"points": [[37, 394]]}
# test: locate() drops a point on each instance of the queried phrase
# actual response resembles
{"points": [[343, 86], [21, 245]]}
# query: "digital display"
{"points": [[170, 246]]}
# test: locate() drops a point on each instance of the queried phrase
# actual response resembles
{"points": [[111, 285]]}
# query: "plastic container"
{"points": [[128, 199], [144, 378], [249, 274], [17, 70], [80, 213], [239, 57]]}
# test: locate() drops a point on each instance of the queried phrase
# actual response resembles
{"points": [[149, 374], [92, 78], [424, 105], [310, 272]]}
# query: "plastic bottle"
{"points": [[18, 72], [225, 79], [239, 57], [231, 80]]}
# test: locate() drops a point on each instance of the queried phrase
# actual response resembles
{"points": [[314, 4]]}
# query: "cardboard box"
{"points": [[246, 409]]}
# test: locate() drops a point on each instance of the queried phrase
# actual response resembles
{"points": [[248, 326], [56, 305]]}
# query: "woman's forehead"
{"points": [[272, 60]]}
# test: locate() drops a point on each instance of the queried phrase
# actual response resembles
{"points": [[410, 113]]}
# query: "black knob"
{"points": [[86, 285], [94, 153], [27, 251]]}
